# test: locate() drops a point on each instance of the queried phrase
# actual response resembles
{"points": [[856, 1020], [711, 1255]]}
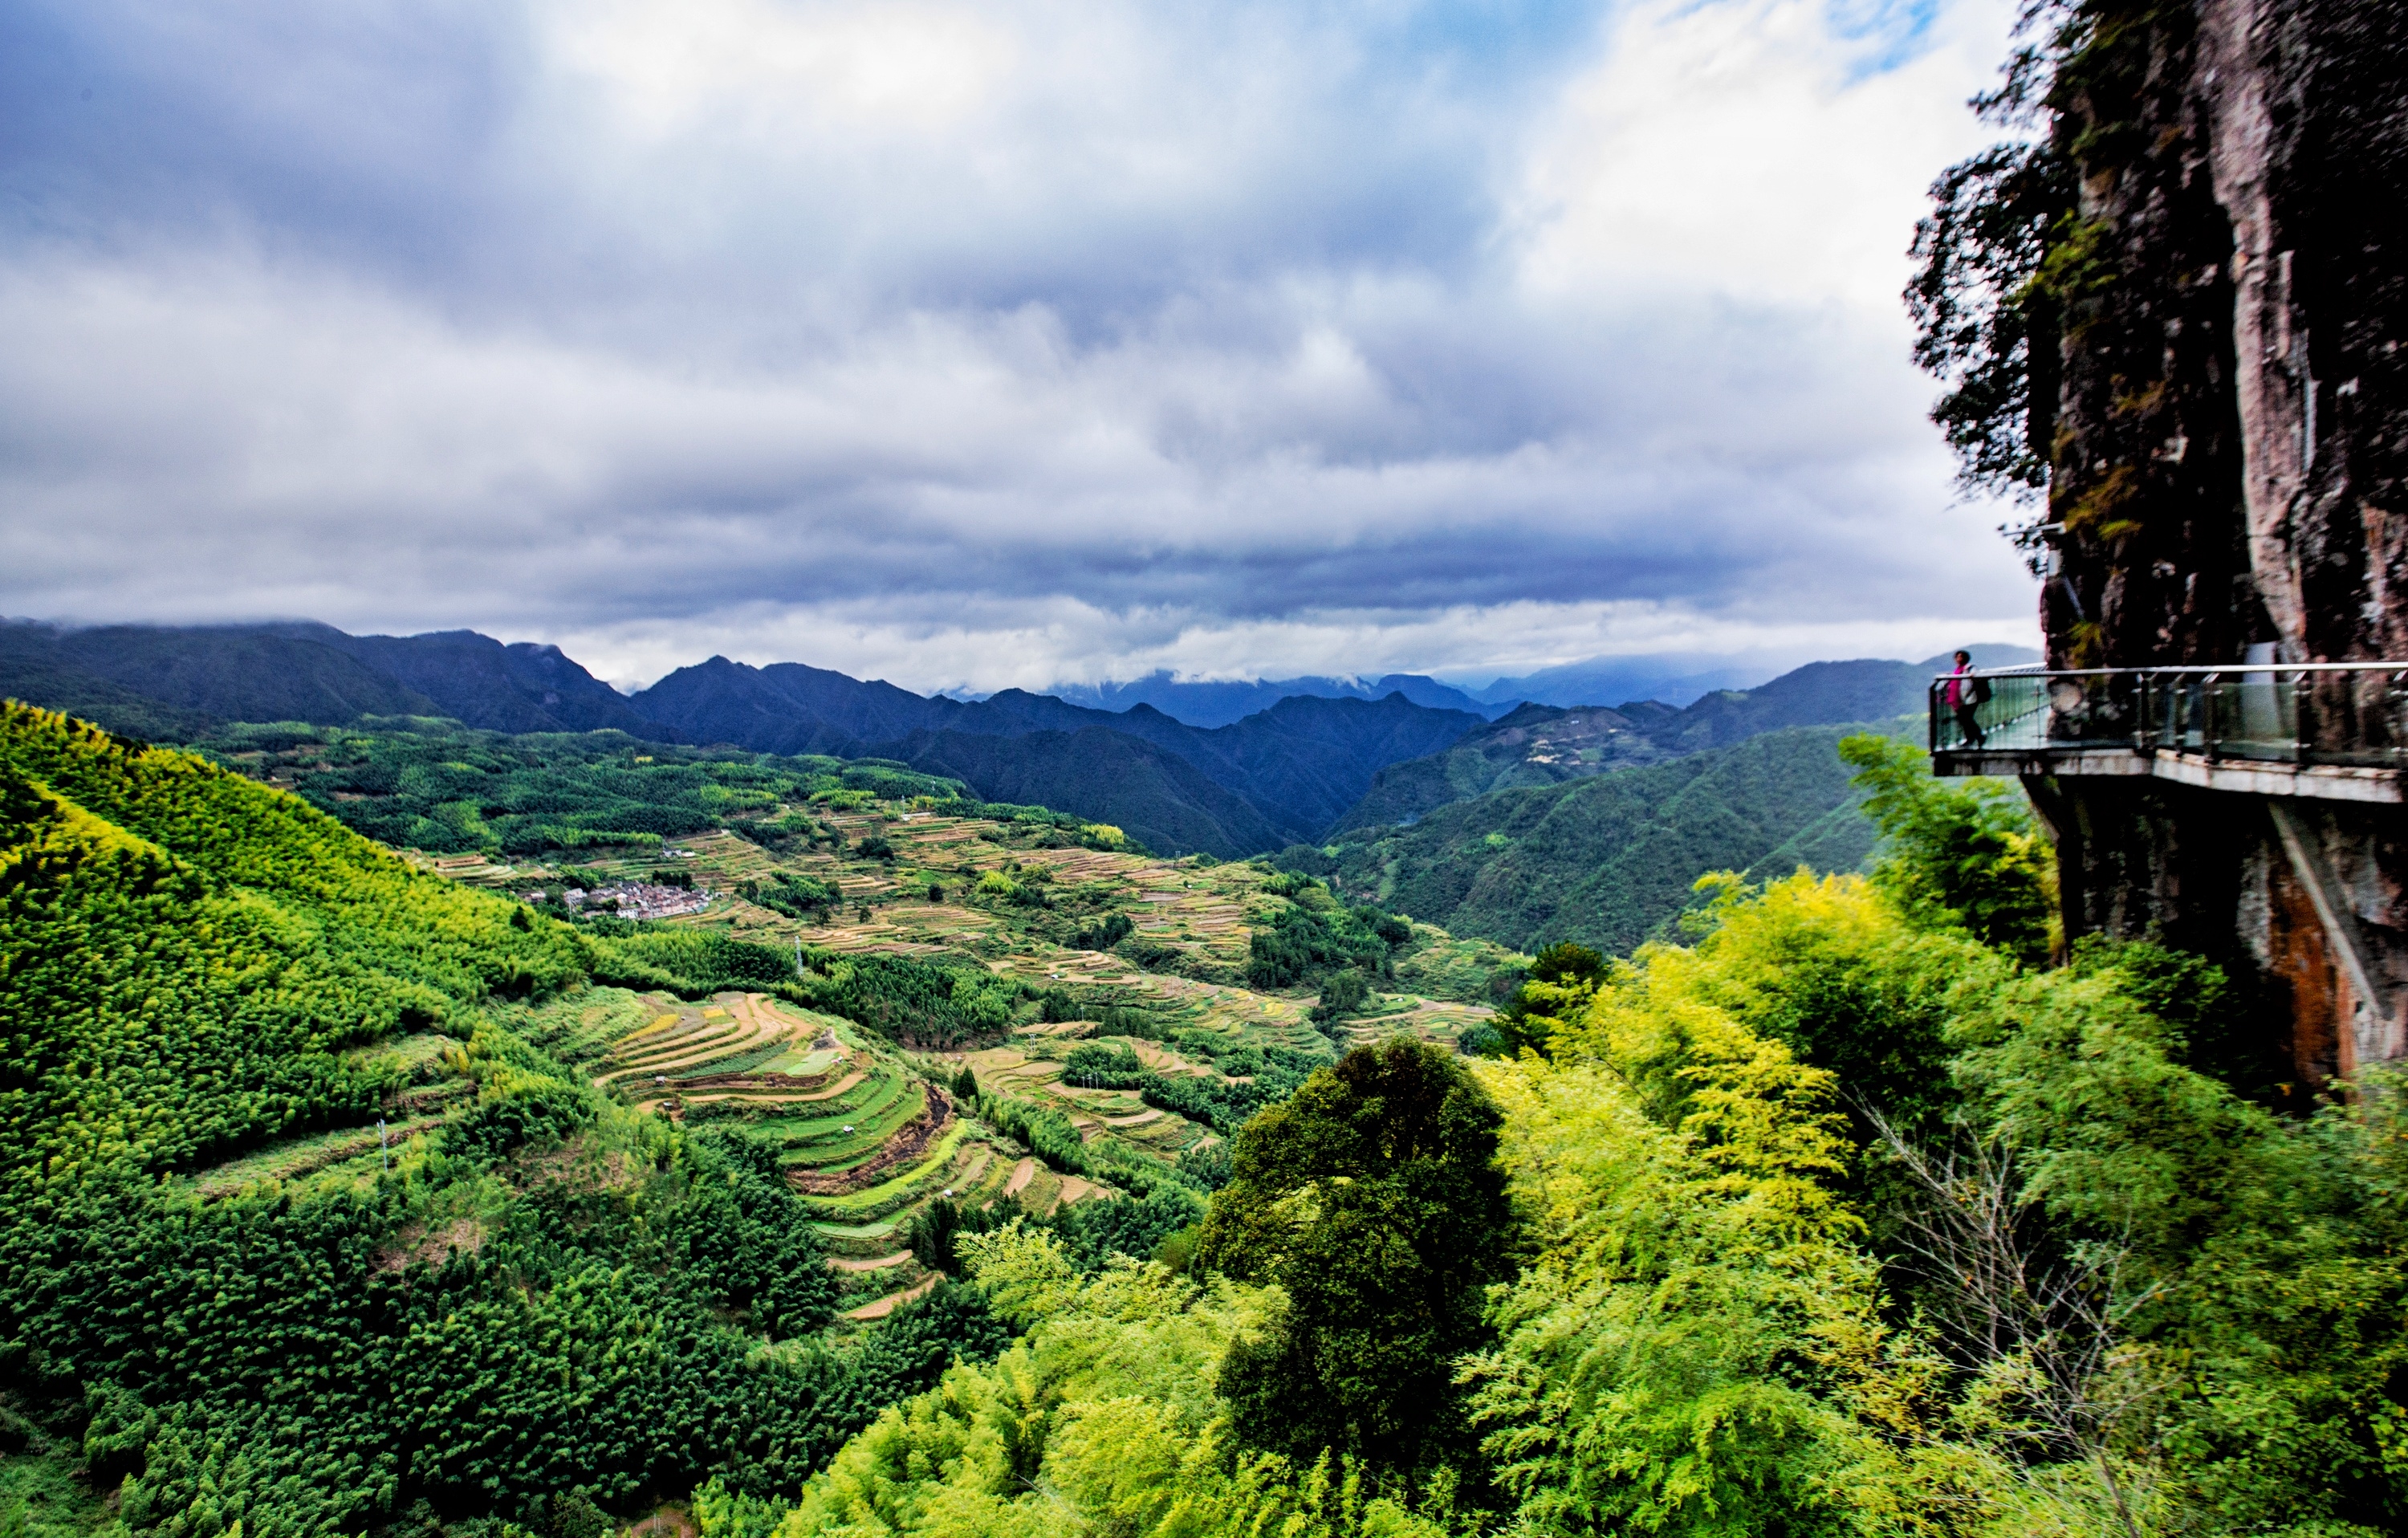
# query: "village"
{"points": [[638, 899]]}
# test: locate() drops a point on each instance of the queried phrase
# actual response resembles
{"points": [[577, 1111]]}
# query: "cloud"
{"points": [[979, 346]]}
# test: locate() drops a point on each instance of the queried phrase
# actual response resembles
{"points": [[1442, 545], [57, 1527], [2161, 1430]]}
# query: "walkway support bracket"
{"points": [[2340, 923]]}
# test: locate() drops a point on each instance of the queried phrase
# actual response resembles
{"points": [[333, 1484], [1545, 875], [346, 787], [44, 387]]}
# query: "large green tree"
{"points": [[1374, 1199]]}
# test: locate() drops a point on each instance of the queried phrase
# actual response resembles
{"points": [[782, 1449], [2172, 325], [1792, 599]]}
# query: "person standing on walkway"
{"points": [[1966, 690]]}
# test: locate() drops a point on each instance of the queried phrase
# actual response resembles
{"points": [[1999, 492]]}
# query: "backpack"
{"points": [[1977, 690]]}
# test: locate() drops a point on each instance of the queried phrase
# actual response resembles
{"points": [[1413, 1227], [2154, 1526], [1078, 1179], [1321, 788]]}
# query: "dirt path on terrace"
{"points": [[894, 1301]]}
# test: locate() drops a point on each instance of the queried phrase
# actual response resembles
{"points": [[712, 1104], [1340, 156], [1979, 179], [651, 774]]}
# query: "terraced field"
{"points": [[863, 1136], [868, 1133], [1029, 1068], [350, 1152]]}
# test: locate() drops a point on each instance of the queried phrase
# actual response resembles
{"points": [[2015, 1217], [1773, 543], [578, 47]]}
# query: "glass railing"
{"points": [[2340, 712]]}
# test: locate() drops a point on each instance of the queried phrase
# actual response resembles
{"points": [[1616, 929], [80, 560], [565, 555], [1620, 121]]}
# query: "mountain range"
{"points": [[1278, 776], [1294, 770], [1297, 765], [171, 683]]}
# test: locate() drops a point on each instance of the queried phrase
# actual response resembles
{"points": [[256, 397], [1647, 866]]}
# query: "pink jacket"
{"points": [[1954, 693]]}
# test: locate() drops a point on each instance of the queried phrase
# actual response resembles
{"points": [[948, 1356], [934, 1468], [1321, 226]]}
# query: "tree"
{"points": [[1341, 994], [1563, 978], [1373, 1198], [1958, 853], [1987, 300]]}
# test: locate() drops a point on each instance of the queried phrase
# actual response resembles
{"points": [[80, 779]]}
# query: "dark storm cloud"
{"points": [[855, 327]]}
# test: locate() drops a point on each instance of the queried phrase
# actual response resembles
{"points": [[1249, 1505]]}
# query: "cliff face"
{"points": [[2234, 410], [2152, 564], [2227, 437], [2307, 111]]}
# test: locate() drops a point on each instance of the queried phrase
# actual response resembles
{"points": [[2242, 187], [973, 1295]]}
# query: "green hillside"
{"points": [[1534, 745], [337, 1193], [434, 785], [215, 1268], [1545, 745], [1608, 860], [946, 1171]]}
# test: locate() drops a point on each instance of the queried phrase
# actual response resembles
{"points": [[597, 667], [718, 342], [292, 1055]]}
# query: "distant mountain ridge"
{"points": [[1297, 765], [1219, 703], [1297, 770], [172, 682], [1274, 777], [1675, 678], [1545, 745]]}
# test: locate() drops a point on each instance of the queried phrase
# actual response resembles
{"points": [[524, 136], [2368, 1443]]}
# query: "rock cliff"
{"points": [[2216, 400]]}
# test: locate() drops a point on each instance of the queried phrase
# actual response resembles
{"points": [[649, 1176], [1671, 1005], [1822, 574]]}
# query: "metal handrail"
{"points": [[2185, 668], [2334, 712]]}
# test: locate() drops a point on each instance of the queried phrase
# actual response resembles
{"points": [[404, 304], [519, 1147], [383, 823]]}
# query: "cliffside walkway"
{"points": [[2304, 767], [2333, 731]]}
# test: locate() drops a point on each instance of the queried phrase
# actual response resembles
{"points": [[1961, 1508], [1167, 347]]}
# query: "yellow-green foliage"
{"points": [[1826, 966], [188, 952], [1102, 1419], [1672, 1358], [994, 884], [1702, 1343]]}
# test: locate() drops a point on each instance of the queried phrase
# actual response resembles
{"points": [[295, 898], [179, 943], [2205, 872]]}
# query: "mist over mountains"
{"points": [[1219, 703], [1182, 775]]}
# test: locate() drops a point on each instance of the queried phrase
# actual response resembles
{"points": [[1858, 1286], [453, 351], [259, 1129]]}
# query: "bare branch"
{"points": [[2039, 1325]]}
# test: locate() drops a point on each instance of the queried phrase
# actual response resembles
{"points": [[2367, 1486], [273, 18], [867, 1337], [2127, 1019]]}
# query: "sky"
{"points": [[993, 344]]}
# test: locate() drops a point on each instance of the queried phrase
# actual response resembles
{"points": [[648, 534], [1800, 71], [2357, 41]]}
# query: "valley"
{"points": [[1068, 943], [450, 1091], [790, 1035]]}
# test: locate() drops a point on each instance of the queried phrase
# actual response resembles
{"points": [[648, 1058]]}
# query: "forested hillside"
{"points": [[1161, 800], [1608, 860], [1849, 1216], [1544, 745], [337, 1195], [1534, 745]]}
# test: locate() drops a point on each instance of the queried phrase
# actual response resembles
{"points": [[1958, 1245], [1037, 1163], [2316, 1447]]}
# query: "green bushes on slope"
{"points": [[437, 787], [1313, 937], [1838, 1219]]}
